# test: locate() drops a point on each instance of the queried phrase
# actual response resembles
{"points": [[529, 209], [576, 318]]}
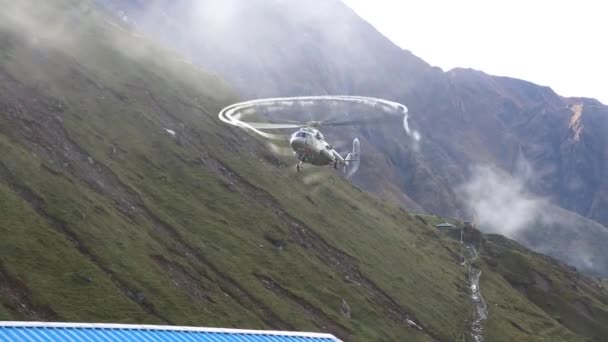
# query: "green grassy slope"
{"points": [[107, 217], [576, 302]]}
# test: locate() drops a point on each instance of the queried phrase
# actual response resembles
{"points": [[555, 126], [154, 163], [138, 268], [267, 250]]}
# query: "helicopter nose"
{"points": [[297, 143]]}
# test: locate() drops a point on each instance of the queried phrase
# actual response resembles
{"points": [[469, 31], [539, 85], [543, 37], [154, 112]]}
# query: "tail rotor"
{"points": [[353, 159]]}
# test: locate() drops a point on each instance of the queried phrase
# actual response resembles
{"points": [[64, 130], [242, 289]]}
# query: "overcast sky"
{"points": [[561, 44]]}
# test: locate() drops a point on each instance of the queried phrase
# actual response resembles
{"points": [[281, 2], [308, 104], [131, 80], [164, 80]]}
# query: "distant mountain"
{"points": [[553, 145]]}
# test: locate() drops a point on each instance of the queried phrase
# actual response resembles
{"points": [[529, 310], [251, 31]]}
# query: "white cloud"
{"points": [[501, 204]]}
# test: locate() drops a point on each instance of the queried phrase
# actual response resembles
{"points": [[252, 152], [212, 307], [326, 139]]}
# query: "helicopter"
{"points": [[308, 144], [310, 147]]}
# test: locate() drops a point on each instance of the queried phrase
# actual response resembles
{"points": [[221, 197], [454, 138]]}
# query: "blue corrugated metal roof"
{"points": [[76, 332]]}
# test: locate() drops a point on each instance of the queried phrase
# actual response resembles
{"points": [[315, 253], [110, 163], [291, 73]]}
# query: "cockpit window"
{"points": [[300, 135]]}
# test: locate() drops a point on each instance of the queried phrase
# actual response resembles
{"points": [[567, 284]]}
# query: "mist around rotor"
{"points": [[269, 119], [238, 114]]}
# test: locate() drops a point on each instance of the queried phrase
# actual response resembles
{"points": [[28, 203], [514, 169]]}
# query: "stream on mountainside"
{"points": [[480, 309]]}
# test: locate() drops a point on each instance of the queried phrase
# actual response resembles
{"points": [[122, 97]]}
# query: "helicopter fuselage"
{"points": [[310, 147]]}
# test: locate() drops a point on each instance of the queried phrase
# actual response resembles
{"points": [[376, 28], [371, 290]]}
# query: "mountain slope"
{"points": [[553, 145], [124, 199]]}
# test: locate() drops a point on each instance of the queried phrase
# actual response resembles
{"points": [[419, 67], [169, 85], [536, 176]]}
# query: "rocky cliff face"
{"points": [[561, 139]]}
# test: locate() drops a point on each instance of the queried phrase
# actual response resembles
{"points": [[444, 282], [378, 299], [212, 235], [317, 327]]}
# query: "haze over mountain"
{"points": [[553, 149]]}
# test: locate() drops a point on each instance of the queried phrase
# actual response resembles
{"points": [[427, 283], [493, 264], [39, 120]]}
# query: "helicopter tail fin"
{"points": [[353, 159]]}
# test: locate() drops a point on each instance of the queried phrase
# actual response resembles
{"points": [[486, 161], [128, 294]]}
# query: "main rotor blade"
{"points": [[366, 121], [265, 125], [287, 121]]}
